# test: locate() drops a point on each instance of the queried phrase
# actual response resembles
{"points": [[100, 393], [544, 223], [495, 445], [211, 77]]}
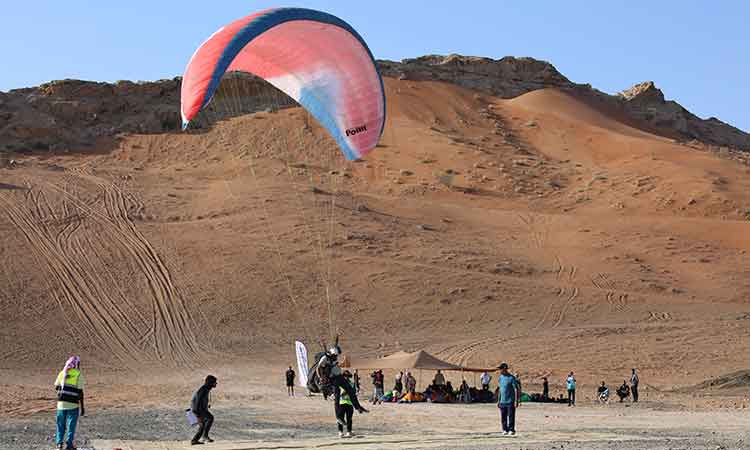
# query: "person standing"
{"points": [[69, 387], [571, 384], [464, 393], [378, 381], [357, 386], [290, 381], [634, 386], [545, 389], [411, 383], [398, 384], [518, 382], [345, 412], [200, 404], [439, 379], [508, 399], [485, 379]]}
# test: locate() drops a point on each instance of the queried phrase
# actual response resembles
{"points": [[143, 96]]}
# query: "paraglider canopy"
{"points": [[316, 58]]}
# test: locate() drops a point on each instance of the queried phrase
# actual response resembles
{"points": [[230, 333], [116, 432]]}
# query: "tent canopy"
{"points": [[403, 360]]}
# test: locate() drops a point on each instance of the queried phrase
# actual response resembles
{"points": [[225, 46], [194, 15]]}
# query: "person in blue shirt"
{"points": [[508, 399], [571, 385]]}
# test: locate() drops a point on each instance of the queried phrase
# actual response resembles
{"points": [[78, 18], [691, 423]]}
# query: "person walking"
{"points": [[508, 399], [290, 381], [69, 387], [485, 379], [345, 412], [200, 404], [634, 386], [545, 389], [571, 384]]}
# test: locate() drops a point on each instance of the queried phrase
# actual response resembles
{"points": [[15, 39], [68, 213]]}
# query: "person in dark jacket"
{"points": [[545, 389], [290, 381], [200, 405], [634, 380], [357, 386], [623, 391]]}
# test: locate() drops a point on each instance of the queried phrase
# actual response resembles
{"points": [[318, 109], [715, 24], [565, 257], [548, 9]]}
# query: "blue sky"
{"points": [[698, 52]]}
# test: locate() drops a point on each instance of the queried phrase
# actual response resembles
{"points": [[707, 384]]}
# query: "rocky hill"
{"points": [[74, 115], [646, 102], [510, 77]]}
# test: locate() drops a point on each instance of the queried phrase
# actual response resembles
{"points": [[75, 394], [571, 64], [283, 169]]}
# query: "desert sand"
{"points": [[542, 230]]}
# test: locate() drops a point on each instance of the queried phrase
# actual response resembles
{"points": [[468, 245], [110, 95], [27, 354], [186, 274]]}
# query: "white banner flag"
{"points": [[301, 363]]}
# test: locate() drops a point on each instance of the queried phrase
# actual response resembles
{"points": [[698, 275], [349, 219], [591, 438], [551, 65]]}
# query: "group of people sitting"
{"points": [[439, 391], [623, 392]]}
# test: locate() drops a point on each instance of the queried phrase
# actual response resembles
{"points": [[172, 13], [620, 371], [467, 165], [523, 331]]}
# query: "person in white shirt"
{"points": [[485, 379]]}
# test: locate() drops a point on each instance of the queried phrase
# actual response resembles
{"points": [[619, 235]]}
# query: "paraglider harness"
{"points": [[325, 377], [321, 374]]}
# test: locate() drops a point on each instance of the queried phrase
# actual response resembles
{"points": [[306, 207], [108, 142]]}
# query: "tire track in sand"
{"points": [[172, 323], [567, 293], [73, 242], [71, 288]]}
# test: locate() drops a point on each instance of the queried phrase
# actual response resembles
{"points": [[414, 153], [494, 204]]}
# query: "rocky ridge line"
{"points": [[74, 115]]}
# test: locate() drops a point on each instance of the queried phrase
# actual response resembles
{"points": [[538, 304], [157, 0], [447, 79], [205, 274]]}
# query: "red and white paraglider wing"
{"points": [[315, 58]]}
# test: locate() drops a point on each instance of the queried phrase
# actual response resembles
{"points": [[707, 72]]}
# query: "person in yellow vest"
{"points": [[69, 387], [345, 411]]}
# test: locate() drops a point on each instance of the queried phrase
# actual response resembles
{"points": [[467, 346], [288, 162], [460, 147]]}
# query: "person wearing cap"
{"points": [[508, 399], [199, 404], [345, 411]]}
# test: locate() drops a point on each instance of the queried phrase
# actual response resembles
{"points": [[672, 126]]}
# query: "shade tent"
{"points": [[420, 360]]}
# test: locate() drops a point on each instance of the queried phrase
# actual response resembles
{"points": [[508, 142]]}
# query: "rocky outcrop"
{"points": [[507, 77], [646, 102], [73, 115]]}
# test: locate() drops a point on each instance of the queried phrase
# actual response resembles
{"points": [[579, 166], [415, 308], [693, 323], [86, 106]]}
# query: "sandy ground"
{"points": [[253, 415]]}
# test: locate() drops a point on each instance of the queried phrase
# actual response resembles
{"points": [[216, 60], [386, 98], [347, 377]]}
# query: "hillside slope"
{"points": [[539, 229]]}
